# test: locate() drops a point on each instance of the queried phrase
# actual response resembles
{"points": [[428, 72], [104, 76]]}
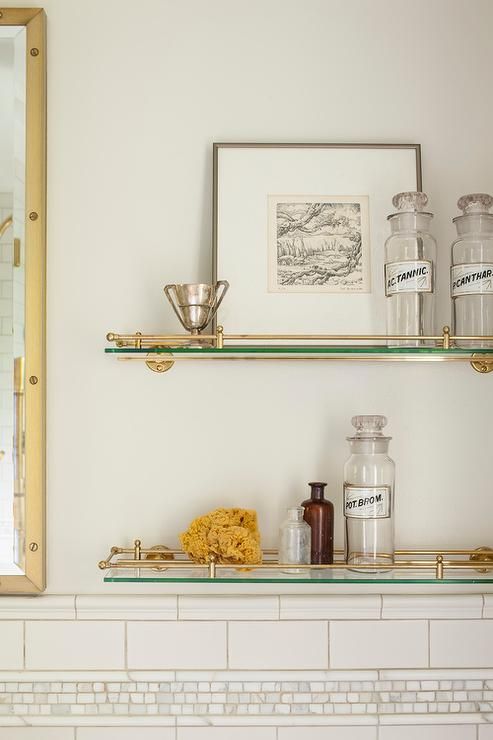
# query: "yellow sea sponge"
{"points": [[230, 534], [234, 545]]}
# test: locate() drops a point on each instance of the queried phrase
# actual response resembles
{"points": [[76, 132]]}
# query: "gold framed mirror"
{"points": [[22, 299]]}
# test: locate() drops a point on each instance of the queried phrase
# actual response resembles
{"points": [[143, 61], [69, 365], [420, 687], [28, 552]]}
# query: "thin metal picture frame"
{"points": [[219, 146]]}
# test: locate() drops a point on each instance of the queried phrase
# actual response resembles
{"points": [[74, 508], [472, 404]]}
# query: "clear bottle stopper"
{"points": [[412, 202], [369, 425], [475, 203]]}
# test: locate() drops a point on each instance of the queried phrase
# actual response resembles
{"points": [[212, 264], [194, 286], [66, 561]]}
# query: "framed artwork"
{"points": [[299, 233]]}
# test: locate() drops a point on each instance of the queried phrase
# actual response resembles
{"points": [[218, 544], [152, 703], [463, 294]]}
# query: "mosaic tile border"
{"points": [[196, 698]]}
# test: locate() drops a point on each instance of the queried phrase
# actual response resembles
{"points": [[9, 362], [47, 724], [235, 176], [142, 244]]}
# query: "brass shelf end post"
{"points": [[439, 567], [219, 337], [212, 566], [446, 337]]}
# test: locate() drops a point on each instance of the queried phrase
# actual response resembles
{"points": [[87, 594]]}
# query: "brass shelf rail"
{"points": [[161, 351], [436, 564]]}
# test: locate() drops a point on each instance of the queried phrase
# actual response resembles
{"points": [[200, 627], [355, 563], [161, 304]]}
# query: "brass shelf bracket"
{"points": [[482, 555], [158, 365], [481, 365]]}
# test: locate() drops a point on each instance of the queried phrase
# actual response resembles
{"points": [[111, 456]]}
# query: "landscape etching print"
{"points": [[319, 244]]}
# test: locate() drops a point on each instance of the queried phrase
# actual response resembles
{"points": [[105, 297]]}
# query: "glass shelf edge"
{"points": [[303, 350], [132, 575], [305, 581]]}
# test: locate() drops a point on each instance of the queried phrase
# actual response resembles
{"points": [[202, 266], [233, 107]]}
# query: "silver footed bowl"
{"points": [[195, 304]]}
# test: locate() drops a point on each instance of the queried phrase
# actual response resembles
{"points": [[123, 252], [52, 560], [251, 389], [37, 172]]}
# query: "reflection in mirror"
{"points": [[12, 292]]}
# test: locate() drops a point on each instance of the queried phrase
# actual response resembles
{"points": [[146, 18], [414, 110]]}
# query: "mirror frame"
{"points": [[34, 578]]}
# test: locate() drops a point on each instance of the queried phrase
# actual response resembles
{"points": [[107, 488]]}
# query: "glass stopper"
{"points": [[475, 203], [413, 202], [370, 425]]}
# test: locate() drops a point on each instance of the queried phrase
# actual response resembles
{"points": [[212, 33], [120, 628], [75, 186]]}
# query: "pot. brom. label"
{"points": [[367, 502], [471, 279], [413, 276]]}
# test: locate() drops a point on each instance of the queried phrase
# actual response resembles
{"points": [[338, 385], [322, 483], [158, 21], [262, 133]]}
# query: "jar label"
{"points": [[367, 502], [413, 276], [471, 279]]}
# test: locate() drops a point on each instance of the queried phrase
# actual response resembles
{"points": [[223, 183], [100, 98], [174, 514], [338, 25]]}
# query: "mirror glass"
{"points": [[12, 297]]}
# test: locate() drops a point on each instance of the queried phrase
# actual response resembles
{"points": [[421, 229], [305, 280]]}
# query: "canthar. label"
{"points": [[367, 502], [471, 279], [413, 276]]}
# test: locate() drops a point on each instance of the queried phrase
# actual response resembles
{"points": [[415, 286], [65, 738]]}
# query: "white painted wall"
{"points": [[137, 95]]}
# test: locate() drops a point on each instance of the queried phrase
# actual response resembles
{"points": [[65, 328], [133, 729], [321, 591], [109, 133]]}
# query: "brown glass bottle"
{"points": [[319, 514]]}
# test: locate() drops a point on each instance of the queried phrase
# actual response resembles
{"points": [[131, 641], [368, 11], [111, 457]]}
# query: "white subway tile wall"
{"points": [[71, 645], [11, 645], [37, 733], [225, 733], [421, 732], [488, 606], [177, 645], [366, 606], [120, 607], [263, 645], [388, 644], [126, 733], [449, 606], [153, 667], [229, 607], [461, 643], [327, 733], [52, 607]]}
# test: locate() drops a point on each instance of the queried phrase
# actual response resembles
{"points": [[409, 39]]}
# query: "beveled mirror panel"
{"points": [[22, 288]]}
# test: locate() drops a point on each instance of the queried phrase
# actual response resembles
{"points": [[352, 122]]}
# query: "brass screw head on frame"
{"points": [[33, 379], [33, 216], [34, 52], [33, 546], [1, 14]]}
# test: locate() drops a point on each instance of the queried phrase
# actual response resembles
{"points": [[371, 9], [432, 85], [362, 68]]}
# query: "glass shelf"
{"points": [[140, 575], [161, 564], [303, 350], [161, 351]]}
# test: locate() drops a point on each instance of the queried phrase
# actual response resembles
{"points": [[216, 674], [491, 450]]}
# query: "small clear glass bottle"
{"points": [[410, 259], [369, 476], [471, 277], [295, 541]]}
